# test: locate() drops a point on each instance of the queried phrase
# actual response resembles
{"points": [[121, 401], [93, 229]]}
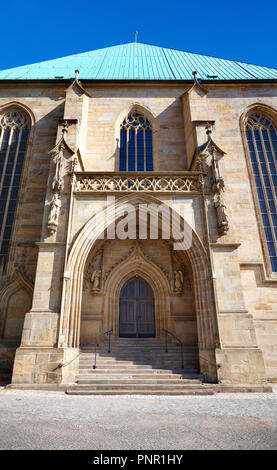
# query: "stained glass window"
{"points": [[14, 130], [136, 144], [262, 144]]}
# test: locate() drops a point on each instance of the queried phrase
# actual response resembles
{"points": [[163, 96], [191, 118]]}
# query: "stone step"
{"points": [[141, 355], [132, 354], [118, 377], [139, 346], [116, 366], [196, 391], [138, 386], [138, 358], [138, 366], [136, 343], [113, 344], [134, 381], [175, 365], [155, 340], [136, 363], [138, 371], [158, 364], [137, 350]]}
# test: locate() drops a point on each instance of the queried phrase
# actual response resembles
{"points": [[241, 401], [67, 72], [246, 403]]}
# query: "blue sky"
{"points": [[34, 31]]}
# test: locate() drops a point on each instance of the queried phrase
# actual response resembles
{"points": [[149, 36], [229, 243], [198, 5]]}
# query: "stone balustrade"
{"points": [[161, 182]]}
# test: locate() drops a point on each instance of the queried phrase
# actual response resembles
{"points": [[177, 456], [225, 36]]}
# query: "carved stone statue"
{"points": [[57, 183], [95, 280], [222, 218], [178, 281], [218, 181], [53, 219]]}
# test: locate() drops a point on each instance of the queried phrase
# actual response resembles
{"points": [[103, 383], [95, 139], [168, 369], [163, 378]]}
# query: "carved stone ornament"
{"points": [[58, 183], [93, 276], [78, 84], [136, 252], [178, 281], [221, 213], [58, 151], [19, 272], [185, 182], [196, 86], [96, 280], [74, 165], [53, 218], [218, 184]]}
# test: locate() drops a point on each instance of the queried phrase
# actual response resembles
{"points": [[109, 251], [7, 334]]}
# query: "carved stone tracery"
{"points": [[20, 271], [14, 119], [137, 182]]}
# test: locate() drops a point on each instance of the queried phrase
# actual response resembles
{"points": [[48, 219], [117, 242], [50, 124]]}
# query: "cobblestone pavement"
{"points": [[53, 420]]}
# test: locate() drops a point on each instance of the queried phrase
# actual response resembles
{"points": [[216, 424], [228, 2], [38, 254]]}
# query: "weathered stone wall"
{"points": [[246, 299], [108, 108], [257, 297], [44, 366], [46, 104], [261, 301]]}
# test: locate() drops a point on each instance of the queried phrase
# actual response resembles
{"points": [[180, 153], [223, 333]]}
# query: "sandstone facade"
{"points": [[228, 301]]}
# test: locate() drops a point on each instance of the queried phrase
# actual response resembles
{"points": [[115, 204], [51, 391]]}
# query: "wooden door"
{"points": [[136, 309]]}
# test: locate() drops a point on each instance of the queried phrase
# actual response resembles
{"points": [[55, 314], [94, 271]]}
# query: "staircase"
{"points": [[139, 366]]}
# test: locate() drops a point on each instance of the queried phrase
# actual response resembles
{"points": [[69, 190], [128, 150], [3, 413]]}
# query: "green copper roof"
{"points": [[138, 61]]}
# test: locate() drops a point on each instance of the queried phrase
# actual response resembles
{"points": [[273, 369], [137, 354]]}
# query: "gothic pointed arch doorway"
{"points": [[136, 309]]}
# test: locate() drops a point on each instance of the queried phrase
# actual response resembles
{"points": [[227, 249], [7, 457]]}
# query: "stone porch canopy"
{"points": [[141, 62]]}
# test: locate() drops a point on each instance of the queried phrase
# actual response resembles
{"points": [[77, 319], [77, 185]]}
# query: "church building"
{"points": [[138, 223]]}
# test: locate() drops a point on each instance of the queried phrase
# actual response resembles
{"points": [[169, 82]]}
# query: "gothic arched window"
{"points": [[136, 144], [262, 144], [14, 130]]}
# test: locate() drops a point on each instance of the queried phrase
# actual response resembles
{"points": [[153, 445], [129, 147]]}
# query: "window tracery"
{"points": [[261, 138], [14, 131], [136, 144]]}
